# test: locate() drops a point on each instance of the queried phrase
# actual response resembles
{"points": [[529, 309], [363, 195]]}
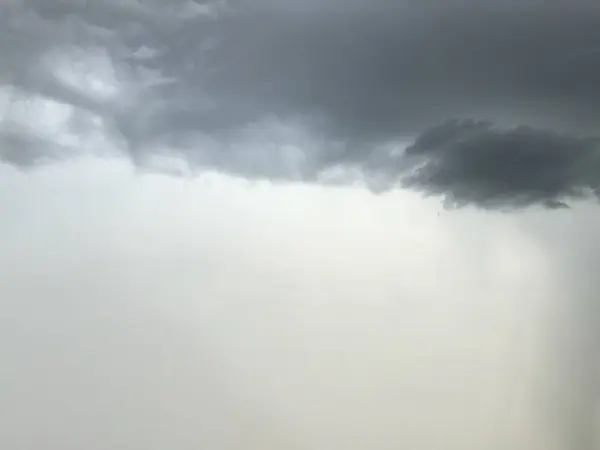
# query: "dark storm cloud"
{"points": [[472, 162], [194, 76]]}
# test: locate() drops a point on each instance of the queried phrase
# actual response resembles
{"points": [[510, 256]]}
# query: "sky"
{"points": [[311, 225]]}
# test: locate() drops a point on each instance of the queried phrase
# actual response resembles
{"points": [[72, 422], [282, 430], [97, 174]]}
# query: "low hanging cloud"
{"points": [[197, 79], [471, 162]]}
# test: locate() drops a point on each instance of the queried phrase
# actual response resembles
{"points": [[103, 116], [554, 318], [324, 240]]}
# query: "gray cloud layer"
{"points": [[191, 75]]}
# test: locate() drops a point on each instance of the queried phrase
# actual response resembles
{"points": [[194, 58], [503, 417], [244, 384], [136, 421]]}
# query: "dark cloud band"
{"points": [[194, 76], [472, 162]]}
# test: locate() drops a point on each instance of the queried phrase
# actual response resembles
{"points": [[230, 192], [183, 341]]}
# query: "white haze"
{"points": [[141, 311]]}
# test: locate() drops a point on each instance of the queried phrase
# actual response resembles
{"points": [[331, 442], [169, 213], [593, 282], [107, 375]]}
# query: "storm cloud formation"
{"points": [[474, 163], [198, 79]]}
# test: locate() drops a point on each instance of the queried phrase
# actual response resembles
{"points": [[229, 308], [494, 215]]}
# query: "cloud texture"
{"points": [[358, 81], [474, 163]]}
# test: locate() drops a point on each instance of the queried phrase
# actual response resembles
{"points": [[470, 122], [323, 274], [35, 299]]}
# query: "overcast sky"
{"points": [[299, 224]]}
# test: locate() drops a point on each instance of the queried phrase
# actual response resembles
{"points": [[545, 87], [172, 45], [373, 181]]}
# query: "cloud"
{"points": [[471, 162], [190, 77]]}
